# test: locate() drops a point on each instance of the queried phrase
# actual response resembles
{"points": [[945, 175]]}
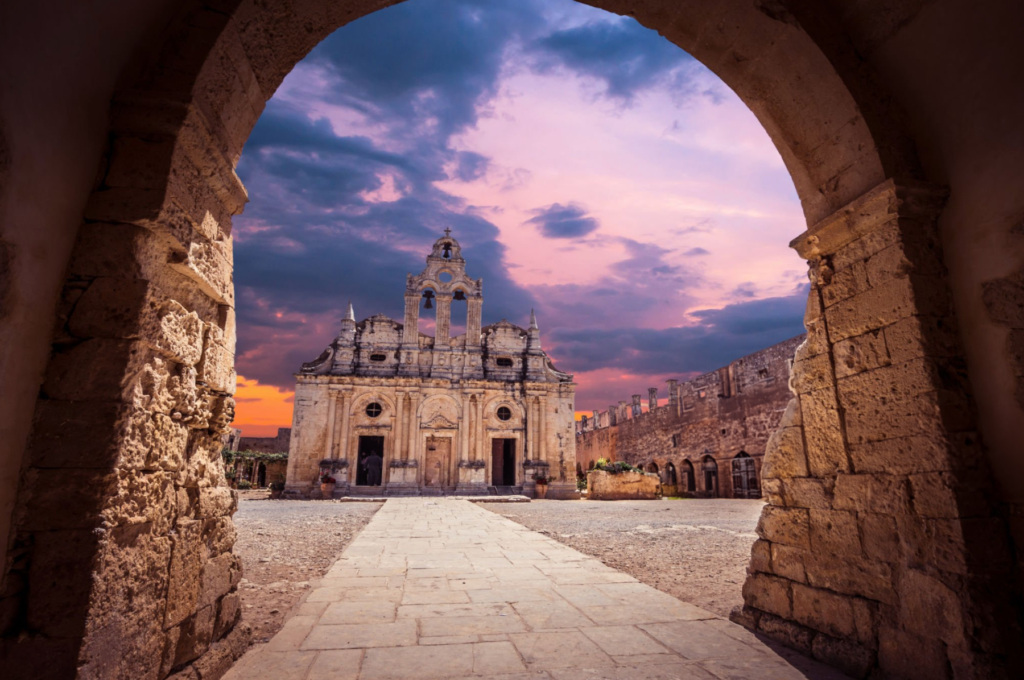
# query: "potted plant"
{"points": [[276, 489], [327, 484], [542, 484]]}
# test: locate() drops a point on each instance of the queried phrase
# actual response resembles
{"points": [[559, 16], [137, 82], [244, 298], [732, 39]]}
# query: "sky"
{"points": [[590, 169]]}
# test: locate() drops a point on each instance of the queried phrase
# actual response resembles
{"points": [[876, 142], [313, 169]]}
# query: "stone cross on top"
{"points": [[447, 231]]}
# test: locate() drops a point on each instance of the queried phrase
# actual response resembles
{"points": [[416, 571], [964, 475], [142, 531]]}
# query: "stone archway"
{"points": [[872, 501]]}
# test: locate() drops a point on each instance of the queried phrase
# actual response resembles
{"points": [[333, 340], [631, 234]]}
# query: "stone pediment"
{"points": [[439, 422]]}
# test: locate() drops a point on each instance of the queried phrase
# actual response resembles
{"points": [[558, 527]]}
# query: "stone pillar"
{"points": [[411, 328], [636, 408], [542, 429], [442, 333], [411, 451], [876, 482], [345, 404], [397, 427], [652, 399], [673, 396], [597, 419], [332, 412]]}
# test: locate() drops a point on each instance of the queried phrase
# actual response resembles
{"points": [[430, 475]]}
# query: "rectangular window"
{"points": [[504, 362]]}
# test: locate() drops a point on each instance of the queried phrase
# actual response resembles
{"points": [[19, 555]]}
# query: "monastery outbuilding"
{"points": [[388, 410]]}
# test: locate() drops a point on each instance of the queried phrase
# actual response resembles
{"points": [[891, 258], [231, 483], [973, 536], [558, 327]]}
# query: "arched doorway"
{"points": [[744, 477], [841, 133], [710, 469], [670, 475], [261, 475], [690, 475], [652, 467]]}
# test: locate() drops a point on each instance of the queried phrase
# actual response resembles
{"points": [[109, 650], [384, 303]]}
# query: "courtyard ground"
{"points": [[283, 546], [694, 549]]}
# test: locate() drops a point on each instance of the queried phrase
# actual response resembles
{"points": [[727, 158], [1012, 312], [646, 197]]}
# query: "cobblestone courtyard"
{"points": [[445, 589], [695, 550]]}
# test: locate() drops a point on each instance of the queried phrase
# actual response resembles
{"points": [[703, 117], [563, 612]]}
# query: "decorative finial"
{"points": [[350, 315], [447, 231], [533, 321]]}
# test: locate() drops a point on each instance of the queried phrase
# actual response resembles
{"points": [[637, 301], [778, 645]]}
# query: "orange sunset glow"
{"points": [[262, 408]]}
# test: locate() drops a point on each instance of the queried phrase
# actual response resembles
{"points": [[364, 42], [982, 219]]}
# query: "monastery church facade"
{"points": [[388, 410]]}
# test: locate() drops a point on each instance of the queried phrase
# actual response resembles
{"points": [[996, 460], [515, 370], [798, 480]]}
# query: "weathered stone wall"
{"points": [[880, 544], [716, 415], [277, 444]]}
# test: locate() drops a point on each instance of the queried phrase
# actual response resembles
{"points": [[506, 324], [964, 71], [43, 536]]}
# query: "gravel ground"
{"points": [[285, 544], [695, 550]]}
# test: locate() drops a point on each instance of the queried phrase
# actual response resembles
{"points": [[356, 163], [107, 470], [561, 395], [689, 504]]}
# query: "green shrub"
{"points": [[581, 483], [244, 484], [615, 468]]}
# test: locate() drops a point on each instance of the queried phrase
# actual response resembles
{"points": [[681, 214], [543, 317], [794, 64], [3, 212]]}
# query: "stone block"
{"points": [[851, 575], [933, 494], [142, 498], [154, 442], [604, 486], [100, 369], [887, 304], [761, 556], [791, 416], [930, 608], [788, 526], [922, 336], [111, 308], [808, 493], [217, 368], [217, 502], [229, 611], [60, 581], [211, 271], [196, 635], [72, 434], [939, 543], [845, 283], [177, 333], [139, 163], [835, 532], [905, 655], [812, 374], [186, 567], [930, 414], [787, 632], [204, 468], [898, 382], [846, 655], [769, 594], [784, 454], [878, 536], [826, 451], [219, 534], [824, 611], [903, 455], [216, 578], [120, 250], [788, 562], [73, 503], [773, 491], [861, 353], [885, 494]]}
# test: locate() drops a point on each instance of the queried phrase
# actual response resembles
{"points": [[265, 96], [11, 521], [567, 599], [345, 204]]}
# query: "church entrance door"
{"points": [[503, 462], [371, 461], [435, 469]]}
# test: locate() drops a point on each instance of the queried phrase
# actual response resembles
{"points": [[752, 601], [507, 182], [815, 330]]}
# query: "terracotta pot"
{"points": [[542, 491], [327, 490], [276, 493]]}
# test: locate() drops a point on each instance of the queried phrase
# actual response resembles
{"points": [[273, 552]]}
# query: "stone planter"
{"points": [[604, 486], [276, 493], [327, 490], [542, 491]]}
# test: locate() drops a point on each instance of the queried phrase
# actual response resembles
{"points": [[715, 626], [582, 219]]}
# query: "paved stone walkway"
{"points": [[445, 589]]}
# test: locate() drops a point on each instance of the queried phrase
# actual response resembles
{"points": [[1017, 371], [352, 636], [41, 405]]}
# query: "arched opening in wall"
{"points": [[690, 476], [670, 475], [261, 476], [744, 477], [710, 469], [652, 467], [590, 465], [819, 150], [459, 312], [427, 322]]}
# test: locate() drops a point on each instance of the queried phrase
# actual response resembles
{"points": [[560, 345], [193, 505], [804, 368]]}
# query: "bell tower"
{"points": [[444, 279]]}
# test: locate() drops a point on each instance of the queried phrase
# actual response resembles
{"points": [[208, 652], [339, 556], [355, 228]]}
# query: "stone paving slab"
{"points": [[440, 588]]}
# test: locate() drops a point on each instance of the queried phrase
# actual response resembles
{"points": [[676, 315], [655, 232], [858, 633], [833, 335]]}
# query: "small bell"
{"points": [[447, 250], [429, 305], [459, 295], [429, 296]]}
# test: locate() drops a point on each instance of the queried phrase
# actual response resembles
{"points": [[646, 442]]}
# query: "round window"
{"points": [[504, 413], [374, 410]]}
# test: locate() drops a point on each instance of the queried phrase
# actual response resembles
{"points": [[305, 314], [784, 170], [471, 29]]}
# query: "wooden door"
{"points": [[435, 469]]}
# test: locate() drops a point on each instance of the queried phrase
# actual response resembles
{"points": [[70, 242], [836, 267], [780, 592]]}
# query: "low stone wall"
{"points": [[634, 486]]}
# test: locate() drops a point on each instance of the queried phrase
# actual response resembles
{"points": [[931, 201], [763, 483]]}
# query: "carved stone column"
{"points": [[442, 333], [474, 314]]}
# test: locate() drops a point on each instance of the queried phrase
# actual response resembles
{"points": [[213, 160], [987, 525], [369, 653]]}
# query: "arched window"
{"points": [[744, 477], [710, 476], [459, 315], [652, 467], [591, 465], [670, 475]]}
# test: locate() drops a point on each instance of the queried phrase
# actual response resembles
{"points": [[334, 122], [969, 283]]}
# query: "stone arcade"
{"points": [[388, 410]]}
